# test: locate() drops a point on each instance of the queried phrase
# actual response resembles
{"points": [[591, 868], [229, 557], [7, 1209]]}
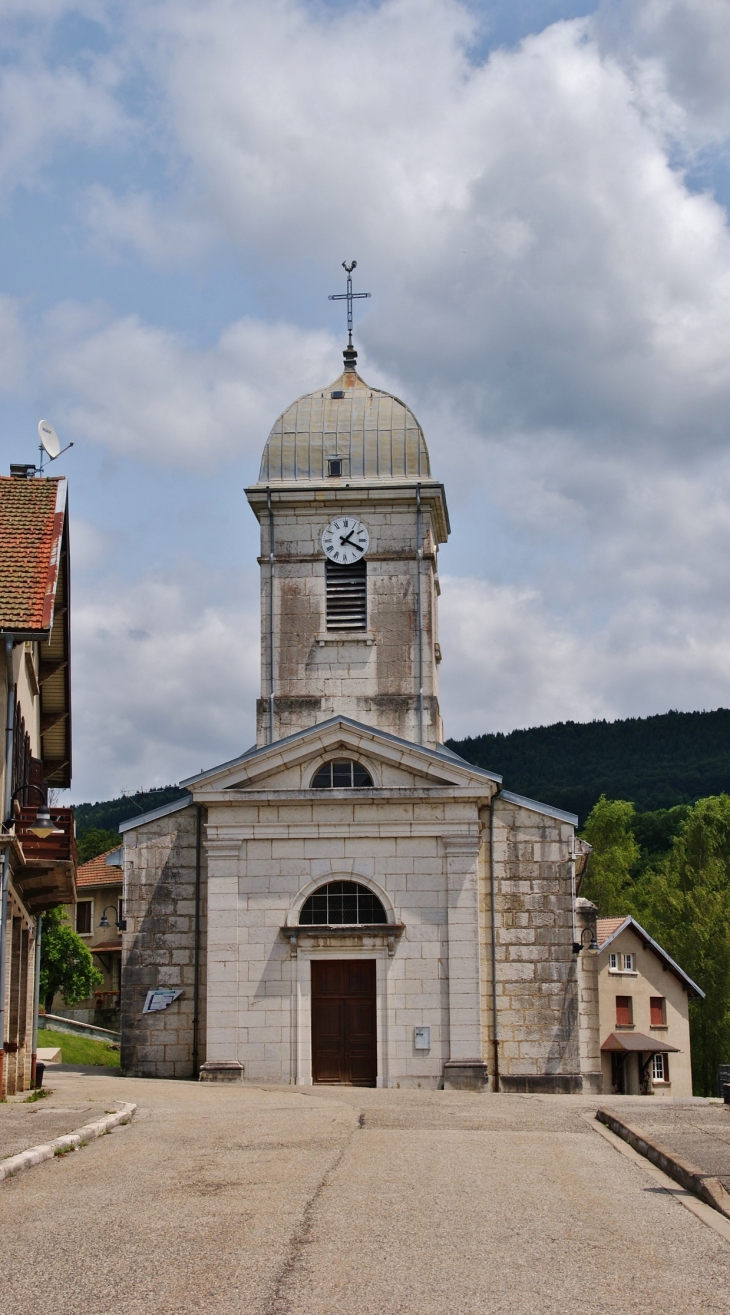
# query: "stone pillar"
{"points": [[222, 1063], [465, 1070]]}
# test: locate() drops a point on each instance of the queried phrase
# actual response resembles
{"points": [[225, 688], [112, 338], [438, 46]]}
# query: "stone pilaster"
{"points": [[223, 985], [589, 1037], [465, 1068]]}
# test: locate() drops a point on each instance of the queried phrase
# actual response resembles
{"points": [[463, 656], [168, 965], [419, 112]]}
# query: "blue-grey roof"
{"points": [[535, 806], [441, 753], [163, 811]]}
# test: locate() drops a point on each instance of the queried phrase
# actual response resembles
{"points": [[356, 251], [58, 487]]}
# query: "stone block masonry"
{"points": [[159, 946]]}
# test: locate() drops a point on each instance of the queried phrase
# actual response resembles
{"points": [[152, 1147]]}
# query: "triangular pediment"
{"points": [[394, 764]]}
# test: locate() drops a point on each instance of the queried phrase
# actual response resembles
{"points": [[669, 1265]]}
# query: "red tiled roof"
{"points": [[605, 927], [97, 873], [31, 524]]}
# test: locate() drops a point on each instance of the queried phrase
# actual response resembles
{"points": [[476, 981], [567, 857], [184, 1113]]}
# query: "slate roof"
{"points": [[97, 872], [31, 525]]}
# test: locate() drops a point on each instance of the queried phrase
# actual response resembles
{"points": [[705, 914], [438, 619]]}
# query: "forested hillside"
{"points": [[108, 814], [655, 762]]}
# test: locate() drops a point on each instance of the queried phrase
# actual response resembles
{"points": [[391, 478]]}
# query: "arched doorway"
{"points": [[344, 1031]]}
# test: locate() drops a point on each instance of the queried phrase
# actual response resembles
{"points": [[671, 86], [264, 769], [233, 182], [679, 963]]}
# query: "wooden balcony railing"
{"points": [[54, 849]]}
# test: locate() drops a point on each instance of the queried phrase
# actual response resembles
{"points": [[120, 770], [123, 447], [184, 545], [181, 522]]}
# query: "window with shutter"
{"points": [[347, 596], [83, 917], [657, 1010], [624, 1011]]}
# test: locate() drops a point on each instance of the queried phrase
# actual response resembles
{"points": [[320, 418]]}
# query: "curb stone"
{"points": [[90, 1131], [706, 1186]]}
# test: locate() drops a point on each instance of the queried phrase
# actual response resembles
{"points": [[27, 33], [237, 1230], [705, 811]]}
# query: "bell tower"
{"points": [[351, 522]]}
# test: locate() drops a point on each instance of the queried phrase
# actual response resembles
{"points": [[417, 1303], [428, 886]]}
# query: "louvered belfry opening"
{"points": [[347, 596]]}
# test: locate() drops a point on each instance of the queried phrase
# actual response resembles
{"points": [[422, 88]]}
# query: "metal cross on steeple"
{"points": [[349, 297]]}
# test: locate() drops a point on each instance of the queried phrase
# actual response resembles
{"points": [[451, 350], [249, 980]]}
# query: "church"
{"points": [[349, 901]]}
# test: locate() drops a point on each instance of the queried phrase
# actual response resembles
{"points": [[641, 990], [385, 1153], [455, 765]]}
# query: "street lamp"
{"points": [[589, 931], [120, 923], [44, 826]]}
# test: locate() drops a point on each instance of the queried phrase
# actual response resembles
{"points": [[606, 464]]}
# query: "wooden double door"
{"points": [[344, 1032]]}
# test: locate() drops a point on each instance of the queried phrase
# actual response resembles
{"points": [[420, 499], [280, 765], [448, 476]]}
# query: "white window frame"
{"points": [[613, 963], [658, 1060], [628, 963], [90, 932]]}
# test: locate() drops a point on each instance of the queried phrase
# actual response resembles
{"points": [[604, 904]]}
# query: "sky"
{"points": [[536, 195]]}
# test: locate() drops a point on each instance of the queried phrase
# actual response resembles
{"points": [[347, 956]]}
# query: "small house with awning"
{"points": [[643, 1009]]}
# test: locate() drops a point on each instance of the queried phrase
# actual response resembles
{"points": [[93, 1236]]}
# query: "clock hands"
{"points": [[347, 538]]}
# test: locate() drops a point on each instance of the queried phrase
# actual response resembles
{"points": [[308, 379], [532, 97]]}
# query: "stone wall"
{"points": [[370, 676], [537, 987], [158, 945], [266, 854]]}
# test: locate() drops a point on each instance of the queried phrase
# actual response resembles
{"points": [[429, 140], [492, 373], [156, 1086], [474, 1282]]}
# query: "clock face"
{"points": [[345, 540]]}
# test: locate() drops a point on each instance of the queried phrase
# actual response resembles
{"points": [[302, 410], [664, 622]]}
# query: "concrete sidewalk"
{"points": [[284, 1201], [692, 1129], [24, 1124]]}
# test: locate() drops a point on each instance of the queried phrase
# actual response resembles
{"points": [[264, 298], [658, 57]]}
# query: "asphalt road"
{"points": [[270, 1201]]}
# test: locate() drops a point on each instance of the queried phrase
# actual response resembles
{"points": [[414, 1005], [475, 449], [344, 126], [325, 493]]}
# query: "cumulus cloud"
{"points": [[549, 294], [146, 392], [167, 681], [44, 110]]}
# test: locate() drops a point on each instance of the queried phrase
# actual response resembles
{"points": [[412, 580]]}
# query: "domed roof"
{"points": [[373, 433]]}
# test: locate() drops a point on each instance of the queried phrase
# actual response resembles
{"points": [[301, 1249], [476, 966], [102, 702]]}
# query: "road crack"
{"points": [[302, 1235]]}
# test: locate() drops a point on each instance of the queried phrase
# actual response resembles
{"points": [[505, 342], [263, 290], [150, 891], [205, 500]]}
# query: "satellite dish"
{"points": [[49, 439]]}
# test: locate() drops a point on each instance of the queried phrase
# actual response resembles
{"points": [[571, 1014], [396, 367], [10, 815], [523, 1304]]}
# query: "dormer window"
{"points": [[342, 774]]}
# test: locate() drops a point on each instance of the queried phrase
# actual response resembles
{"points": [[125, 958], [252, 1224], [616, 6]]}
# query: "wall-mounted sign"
{"points": [[160, 998], [422, 1038]]}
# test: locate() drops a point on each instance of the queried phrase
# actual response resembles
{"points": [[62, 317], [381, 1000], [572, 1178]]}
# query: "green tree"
{"points": [[94, 841], [608, 881], [66, 963], [684, 902]]}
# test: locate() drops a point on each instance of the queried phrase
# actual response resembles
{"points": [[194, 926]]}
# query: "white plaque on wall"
{"points": [[422, 1038]]}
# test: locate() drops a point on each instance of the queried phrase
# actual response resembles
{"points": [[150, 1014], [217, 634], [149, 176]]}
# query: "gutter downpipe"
{"points": [[196, 944], [7, 804], [419, 556], [495, 1029], [571, 860], [36, 997], [271, 615]]}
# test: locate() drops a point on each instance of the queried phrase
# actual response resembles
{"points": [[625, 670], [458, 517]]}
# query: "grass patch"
{"points": [[80, 1049], [64, 1150], [38, 1094]]}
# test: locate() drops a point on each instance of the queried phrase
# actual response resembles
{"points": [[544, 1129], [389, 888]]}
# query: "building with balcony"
{"points": [[37, 844]]}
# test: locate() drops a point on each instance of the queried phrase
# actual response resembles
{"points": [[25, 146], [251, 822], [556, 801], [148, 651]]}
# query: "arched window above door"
{"points": [[341, 774], [342, 902]]}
